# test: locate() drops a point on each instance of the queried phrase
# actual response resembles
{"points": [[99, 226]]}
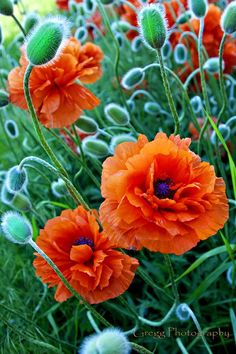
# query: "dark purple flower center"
{"points": [[162, 188], [84, 241]]}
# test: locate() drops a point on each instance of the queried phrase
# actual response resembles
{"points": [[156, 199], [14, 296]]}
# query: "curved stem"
{"points": [[161, 322], [67, 284], [63, 174], [221, 77], [18, 24], [200, 59], [168, 92]]}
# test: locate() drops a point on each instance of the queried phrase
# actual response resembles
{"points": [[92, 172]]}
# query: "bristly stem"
{"points": [[67, 284], [200, 60], [172, 278], [18, 24], [221, 77], [74, 193], [168, 92]]}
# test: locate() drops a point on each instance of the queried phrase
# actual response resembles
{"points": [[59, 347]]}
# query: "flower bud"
{"points": [[120, 39], [6, 7], [166, 50], [136, 44], [16, 179], [30, 21], [73, 7], [121, 138], [121, 26], [225, 132], [95, 147], [4, 98], [133, 78], [183, 18], [180, 54], [131, 105], [229, 276], [212, 65], [87, 125], [46, 41], [21, 202], [107, 2], [109, 341], [228, 19], [152, 108], [196, 103], [89, 5], [153, 26], [6, 196], [198, 7], [116, 114], [16, 228], [81, 34], [182, 312], [11, 129], [59, 188]]}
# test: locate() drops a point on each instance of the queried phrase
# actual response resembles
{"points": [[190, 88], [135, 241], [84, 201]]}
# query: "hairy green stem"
{"points": [[172, 278], [168, 92], [221, 77], [18, 24]]}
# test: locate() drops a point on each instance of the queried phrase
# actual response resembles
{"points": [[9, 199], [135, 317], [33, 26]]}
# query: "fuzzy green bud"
{"points": [[121, 138], [16, 179], [21, 202], [59, 188], [16, 228], [46, 41], [153, 26], [81, 34], [4, 98], [11, 128], [212, 65], [95, 147], [116, 114], [30, 21], [121, 26], [228, 19], [133, 78], [6, 7], [87, 125], [152, 108], [198, 7]]}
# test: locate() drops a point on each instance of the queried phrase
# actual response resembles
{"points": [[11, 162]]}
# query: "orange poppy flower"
{"points": [[85, 256], [57, 98], [159, 195], [64, 4]]}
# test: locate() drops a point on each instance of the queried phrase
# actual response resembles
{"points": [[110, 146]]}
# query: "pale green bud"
{"points": [[16, 228]]}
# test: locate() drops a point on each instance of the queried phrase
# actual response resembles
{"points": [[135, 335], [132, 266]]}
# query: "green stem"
{"points": [[168, 92], [139, 349], [200, 59], [19, 24], [99, 317], [172, 277], [63, 174], [161, 322], [221, 77]]}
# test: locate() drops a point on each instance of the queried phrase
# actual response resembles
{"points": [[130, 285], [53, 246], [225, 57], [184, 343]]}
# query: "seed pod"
{"points": [[89, 5], [198, 7], [95, 147], [180, 54], [16, 179], [212, 65], [133, 78], [4, 98], [87, 125], [47, 40], [16, 228], [30, 21], [228, 19], [153, 26], [6, 7], [152, 108], [11, 129], [121, 138], [81, 34], [120, 39]]}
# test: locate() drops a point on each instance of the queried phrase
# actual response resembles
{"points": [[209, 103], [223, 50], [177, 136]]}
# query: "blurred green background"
{"points": [[42, 7]]}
